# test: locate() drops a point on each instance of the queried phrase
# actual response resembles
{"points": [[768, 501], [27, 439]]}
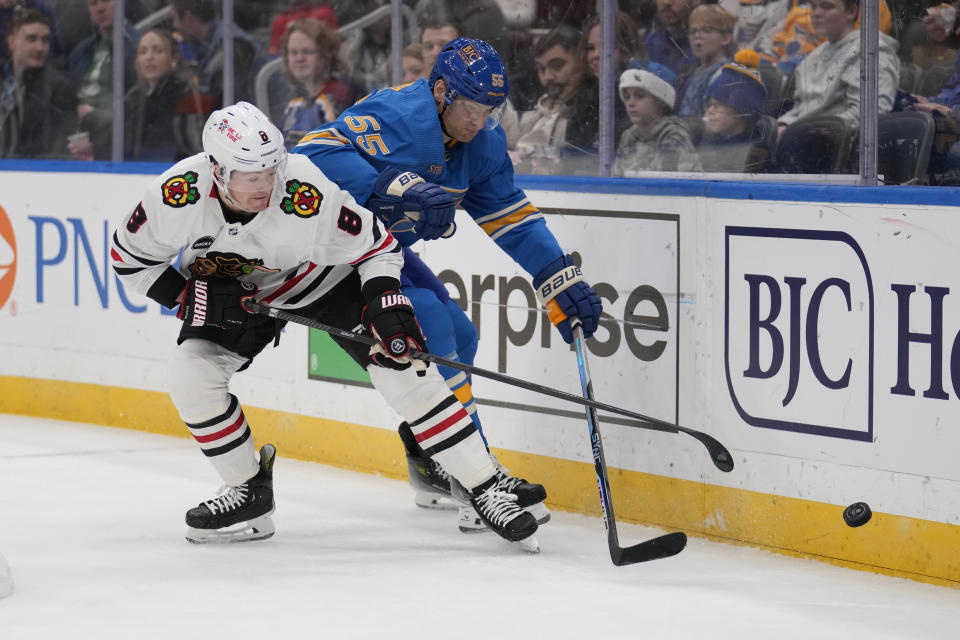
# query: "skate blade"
{"points": [[540, 512], [257, 529], [530, 545], [472, 530], [427, 500]]}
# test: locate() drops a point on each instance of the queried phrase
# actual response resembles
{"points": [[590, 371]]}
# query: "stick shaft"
{"points": [[649, 422], [596, 443], [719, 455], [664, 546]]}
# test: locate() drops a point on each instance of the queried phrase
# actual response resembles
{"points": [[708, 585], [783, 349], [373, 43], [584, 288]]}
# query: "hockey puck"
{"points": [[857, 514]]}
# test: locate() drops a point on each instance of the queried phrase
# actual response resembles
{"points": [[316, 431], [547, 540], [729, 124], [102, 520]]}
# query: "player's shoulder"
{"points": [[197, 163], [306, 192], [398, 109], [301, 168], [397, 98], [183, 185]]}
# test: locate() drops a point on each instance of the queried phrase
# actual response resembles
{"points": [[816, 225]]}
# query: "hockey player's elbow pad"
{"points": [[562, 290]]}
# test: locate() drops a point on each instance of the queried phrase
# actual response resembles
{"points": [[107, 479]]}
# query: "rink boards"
{"points": [[813, 331]]}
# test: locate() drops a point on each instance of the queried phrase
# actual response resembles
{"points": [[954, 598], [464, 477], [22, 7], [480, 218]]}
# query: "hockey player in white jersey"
{"points": [[249, 222]]}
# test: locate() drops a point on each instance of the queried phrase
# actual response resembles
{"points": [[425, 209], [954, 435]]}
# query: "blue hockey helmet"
{"points": [[473, 69]]}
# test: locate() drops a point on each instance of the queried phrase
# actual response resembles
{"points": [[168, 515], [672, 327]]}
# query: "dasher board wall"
{"points": [[812, 330]]}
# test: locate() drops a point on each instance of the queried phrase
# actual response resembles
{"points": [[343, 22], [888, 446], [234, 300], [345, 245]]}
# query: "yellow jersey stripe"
{"points": [[496, 214], [327, 134], [497, 227]]}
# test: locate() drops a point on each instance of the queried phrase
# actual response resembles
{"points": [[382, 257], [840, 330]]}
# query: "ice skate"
{"points": [[530, 496], [488, 508], [431, 484], [240, 513]]}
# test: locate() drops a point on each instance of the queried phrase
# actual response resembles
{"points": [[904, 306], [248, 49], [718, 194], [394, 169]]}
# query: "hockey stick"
{"points": [[719, 455], [664, 546]]}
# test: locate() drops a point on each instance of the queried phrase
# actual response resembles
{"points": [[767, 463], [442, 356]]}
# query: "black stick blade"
{"points": [[719, 455], [663, 547]]}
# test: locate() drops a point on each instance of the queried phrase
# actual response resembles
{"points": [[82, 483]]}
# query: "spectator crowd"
{"points": [[700, 86]]}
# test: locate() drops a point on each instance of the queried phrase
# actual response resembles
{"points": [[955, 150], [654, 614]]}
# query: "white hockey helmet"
{"points": [[241, 138]]}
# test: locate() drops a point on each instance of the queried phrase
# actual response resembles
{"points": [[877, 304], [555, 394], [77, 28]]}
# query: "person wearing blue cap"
{"points": [[656, 140], [737, 135]]}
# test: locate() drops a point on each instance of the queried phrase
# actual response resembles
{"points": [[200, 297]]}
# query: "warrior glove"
{"points": [[216, 302], [389, 318], [412, 208], [562, 290]]}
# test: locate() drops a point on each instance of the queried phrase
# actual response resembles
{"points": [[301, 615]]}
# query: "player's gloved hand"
{"points": [[217, 302], [562, 290], [389, 318], [406, 202]]}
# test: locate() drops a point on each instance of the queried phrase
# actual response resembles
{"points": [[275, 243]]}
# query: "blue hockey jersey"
{"points": [[398, 127]]}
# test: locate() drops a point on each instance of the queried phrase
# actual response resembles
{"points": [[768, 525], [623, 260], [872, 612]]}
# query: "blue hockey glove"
{"points": [[412, 208], [562, 290]]}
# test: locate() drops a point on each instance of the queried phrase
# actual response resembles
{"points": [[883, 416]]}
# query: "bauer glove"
{"points": [[412, 208], [389, 318], [216, 302], [562, 290]]}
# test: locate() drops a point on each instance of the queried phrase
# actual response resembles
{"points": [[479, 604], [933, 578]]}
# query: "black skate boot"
{"points": [[248, 505], [489, 508], [530, 496], [431, 484]]}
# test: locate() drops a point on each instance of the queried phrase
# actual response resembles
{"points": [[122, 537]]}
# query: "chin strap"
{"points": [[443, 127]]}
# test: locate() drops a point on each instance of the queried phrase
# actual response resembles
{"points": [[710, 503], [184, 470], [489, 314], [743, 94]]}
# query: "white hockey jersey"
{"points": [[311, 236]]}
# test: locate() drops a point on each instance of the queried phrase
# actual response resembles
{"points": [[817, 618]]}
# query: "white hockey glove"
{"points": [[412, 208]]}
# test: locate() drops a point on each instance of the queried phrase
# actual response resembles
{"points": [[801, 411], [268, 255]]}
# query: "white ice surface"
{"points": [[91, 523]]}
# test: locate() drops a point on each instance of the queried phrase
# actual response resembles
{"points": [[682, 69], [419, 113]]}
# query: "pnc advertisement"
{"points": [[8, 258]]}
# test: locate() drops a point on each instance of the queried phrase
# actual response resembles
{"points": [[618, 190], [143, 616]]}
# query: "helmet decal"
{"points": [[471, 68]]}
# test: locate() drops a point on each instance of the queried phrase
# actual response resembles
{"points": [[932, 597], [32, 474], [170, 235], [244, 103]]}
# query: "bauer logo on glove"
{"points": [[403, 182], [559, 282], [411, 208], [564, 293]]}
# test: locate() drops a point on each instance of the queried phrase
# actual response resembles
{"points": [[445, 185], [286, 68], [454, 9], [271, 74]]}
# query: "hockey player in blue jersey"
{"points": [[412, 153]]}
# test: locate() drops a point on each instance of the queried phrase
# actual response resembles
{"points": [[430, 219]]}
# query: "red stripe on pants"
{"points": [[437, 428], [223, 432]]}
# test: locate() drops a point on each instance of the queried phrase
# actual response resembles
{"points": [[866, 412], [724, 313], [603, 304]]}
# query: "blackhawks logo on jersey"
{"points": [[229, 265], [304, 199], [179, 191]]}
